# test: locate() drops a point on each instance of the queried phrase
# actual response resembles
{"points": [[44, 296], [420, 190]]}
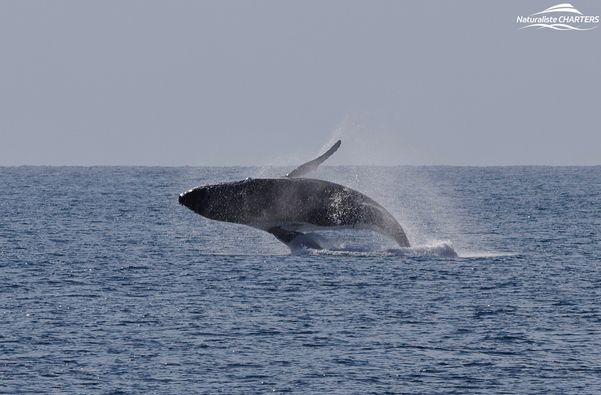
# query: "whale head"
{"points": [[199, 199], [222, 202]]}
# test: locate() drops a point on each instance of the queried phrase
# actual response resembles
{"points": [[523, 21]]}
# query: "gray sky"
{"points": [[273, 82]]}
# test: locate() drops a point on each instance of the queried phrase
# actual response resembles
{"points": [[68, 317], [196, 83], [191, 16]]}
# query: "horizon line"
{"points": [[282, 166]]}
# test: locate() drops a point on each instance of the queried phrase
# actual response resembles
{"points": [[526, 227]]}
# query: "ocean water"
{"points": [[108, 285]]}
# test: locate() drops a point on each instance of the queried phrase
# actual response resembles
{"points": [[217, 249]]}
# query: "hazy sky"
{"points": [[273, 82]]}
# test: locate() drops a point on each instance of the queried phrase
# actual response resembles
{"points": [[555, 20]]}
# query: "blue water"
{"points": [[107, 285]]}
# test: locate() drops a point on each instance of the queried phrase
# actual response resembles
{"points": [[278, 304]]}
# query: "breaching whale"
{"points": [[288, 206]]}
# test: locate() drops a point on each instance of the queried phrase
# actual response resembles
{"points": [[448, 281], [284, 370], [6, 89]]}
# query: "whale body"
{"points": [[288, 206]]}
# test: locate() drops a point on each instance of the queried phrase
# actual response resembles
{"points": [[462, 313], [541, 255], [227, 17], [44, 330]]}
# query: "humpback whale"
{"points": [[290, 205]]}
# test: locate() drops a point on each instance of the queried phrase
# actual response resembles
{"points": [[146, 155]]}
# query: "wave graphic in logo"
{"points": [[556, 26], [562, 16], [565, 7]]}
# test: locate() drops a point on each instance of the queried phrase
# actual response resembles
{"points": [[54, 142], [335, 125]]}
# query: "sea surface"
{"points": [[108, 285]]}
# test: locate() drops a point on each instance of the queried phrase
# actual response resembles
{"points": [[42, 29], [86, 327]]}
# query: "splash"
{"points": [[438, 249], [414, 196], [485, 254], [418, 197], [442, 249]]}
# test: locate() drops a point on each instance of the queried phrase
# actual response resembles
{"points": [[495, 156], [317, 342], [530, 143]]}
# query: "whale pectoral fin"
{"points": [[287, 237], [312, 165]]}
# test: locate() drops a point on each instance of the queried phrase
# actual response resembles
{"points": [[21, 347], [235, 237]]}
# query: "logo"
{"points": [[559, 17]]}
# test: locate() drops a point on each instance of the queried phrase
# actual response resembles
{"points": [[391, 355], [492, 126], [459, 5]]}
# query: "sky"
{"points": [[274, 82]]}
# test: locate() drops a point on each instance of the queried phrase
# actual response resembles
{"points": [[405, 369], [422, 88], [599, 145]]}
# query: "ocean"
{"points": [[108, 285]]}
